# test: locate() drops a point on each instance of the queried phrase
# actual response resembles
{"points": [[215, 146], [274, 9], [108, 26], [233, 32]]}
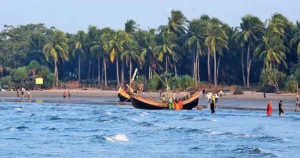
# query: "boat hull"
{"points": [[140, 102], [123, 96], [143, 105]]}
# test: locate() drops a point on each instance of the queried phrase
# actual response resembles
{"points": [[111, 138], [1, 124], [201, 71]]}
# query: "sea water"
{"points": [[73, 130]]}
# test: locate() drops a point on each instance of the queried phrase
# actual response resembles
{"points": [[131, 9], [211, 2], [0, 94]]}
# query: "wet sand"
{"points": [[249, 100]]}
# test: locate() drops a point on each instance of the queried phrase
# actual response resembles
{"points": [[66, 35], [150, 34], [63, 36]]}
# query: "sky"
{"points": [[74, 15]]}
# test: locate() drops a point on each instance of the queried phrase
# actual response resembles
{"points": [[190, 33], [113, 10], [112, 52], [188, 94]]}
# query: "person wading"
{"points": [[269, 109], [280, 108], [212, 105]]}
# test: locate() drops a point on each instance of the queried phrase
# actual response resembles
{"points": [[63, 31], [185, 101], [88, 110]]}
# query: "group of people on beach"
{"points": [[22, 92], [65, 94]]}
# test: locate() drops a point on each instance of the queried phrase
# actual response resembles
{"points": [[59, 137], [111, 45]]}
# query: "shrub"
{"points": [[238, 92], [188, 81], [291, 84], [154, 83], [272, 78], [176, 82], [20, 74], [6, 81], [49, 80]]}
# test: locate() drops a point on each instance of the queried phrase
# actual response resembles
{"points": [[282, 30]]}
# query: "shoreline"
{"points": [[247, 101]]}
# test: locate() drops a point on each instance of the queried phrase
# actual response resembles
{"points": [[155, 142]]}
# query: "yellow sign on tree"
{"points": [[39, 81]]}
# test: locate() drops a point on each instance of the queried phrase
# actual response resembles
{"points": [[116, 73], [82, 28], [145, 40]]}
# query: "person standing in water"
{"points": [[269, 109], [217, 98], [212, 105], [280, 108], [264, 94]]}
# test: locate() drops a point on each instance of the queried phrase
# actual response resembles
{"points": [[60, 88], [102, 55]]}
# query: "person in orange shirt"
{"points": [[180, 104], [269, 108], [176, 105]]}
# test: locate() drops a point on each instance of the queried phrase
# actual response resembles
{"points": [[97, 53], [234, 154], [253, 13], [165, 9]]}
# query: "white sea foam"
{"points": [[12, 129], [117, 138], [108, 113], [18, 109], [144, 114]]}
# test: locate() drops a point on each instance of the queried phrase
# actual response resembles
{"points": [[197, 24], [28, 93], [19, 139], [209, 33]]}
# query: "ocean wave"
{"points": [[18, 128], [255, 151], [108, 113], [116, 138], [53, 117], [199, 119], [49, 128]]}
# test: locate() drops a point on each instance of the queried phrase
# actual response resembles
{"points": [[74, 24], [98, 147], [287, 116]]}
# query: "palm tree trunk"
{"points": [[99, 81], [55, 73], [195, 70], [208, 66], [248, 65], [93, 70], [122, 74], [175, 69], [198, 68], [215, 68], [149, 75], [248, 74], [167, 70], [243, 69], [89, 69], [130, 69], [166, 65], [105, 78], [78, 68], [117, 67], [218, 67]]}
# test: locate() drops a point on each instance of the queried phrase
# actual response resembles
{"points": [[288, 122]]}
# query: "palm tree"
{"points": [[276, 26], [92, 38], [57, 49], [130, 54], [116, 47], [175, 23], [194, 41], [35, 49], [251, 29], [146, 40], [273, 52], [76, 46], [165, 49], [107, 35], [295, 41], [130, 26], [96, 48], [216, 40]]}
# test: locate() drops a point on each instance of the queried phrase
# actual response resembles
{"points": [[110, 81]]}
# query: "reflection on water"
{"points": [[73, 130]]}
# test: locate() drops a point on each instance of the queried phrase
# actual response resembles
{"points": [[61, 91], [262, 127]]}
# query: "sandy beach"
{"points": [[249, 100]]}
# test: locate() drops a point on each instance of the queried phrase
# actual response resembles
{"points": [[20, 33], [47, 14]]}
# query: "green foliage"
{"points": [[43, 71], [272, 78], [33, 67], [20, 74], [297, 74], [188, 81], [49, 81], [6, 81], [291, 84], [176, 83], [153, 83]]}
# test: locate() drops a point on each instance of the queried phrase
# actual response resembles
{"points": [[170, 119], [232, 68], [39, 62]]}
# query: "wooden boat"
{"points": [[123, 96], [141, 102]]}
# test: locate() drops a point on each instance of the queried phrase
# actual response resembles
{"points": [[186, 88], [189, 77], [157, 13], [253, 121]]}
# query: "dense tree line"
{"points": [[204, 48]]}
